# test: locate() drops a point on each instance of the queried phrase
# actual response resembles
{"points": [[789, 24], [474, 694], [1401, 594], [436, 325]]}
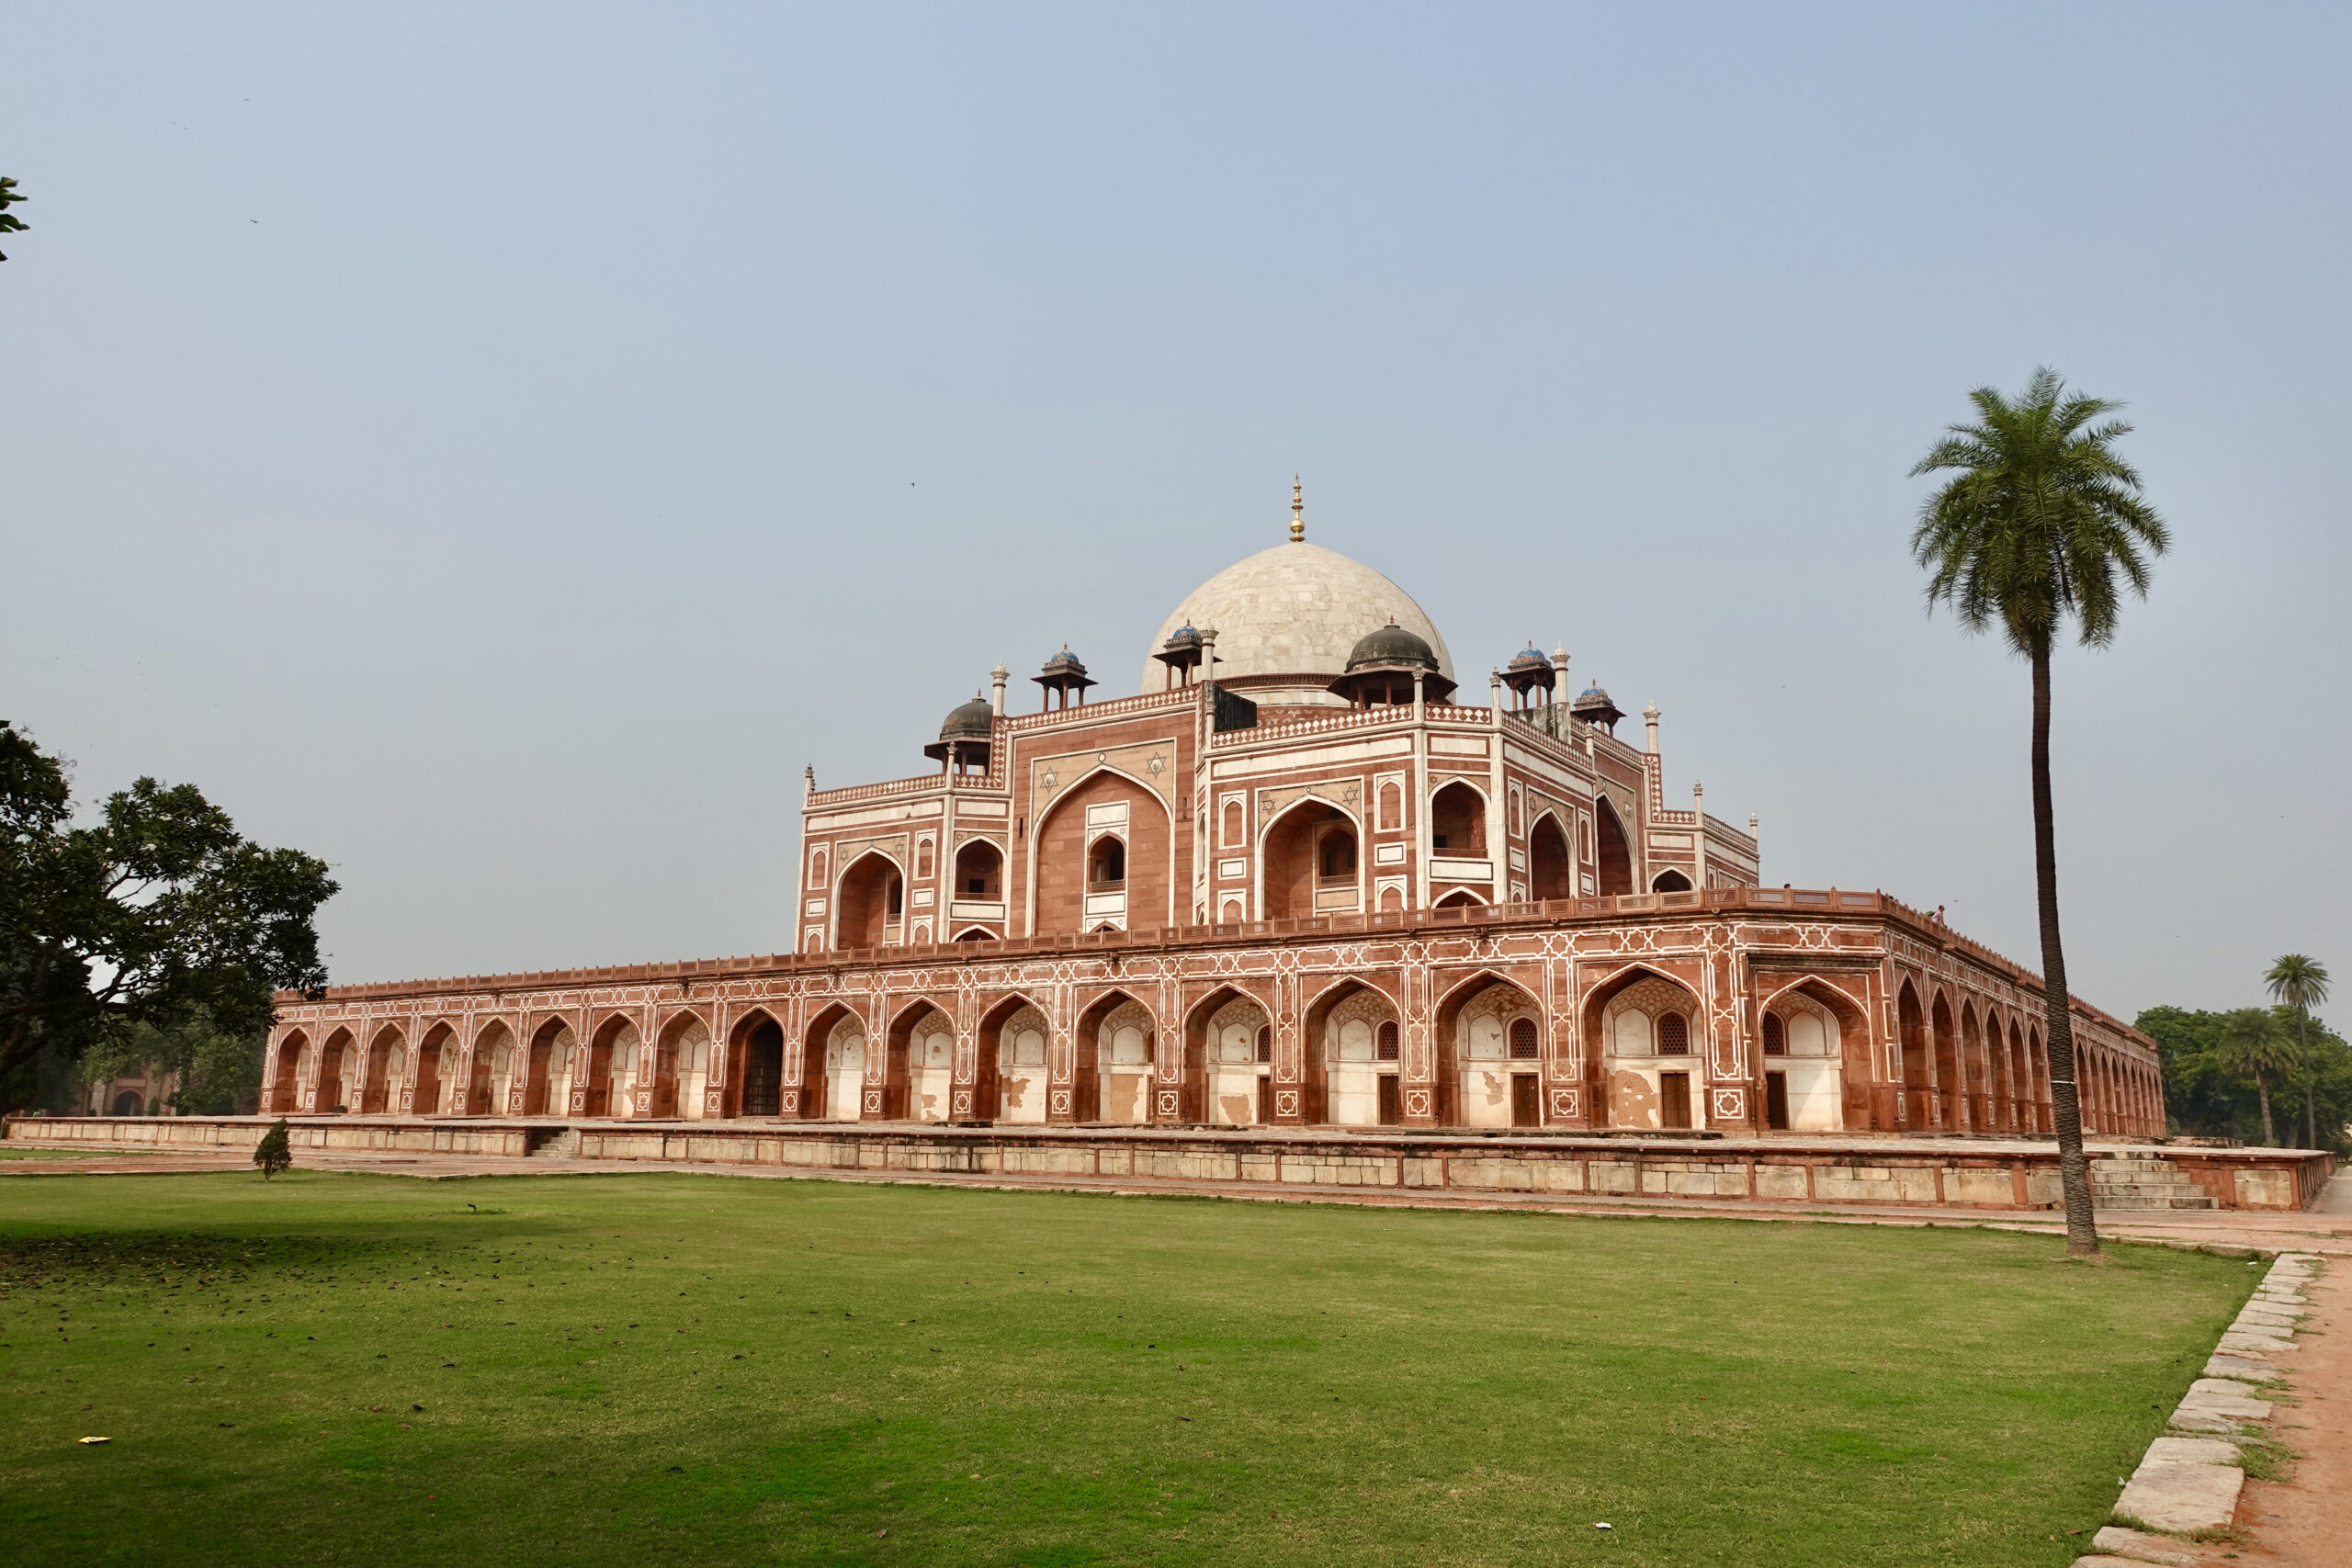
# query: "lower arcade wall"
{"points": [[1737, 1010], [1843, 1171]]}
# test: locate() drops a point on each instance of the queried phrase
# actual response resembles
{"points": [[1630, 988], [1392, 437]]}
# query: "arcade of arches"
{"points": [[1641, 1049]]}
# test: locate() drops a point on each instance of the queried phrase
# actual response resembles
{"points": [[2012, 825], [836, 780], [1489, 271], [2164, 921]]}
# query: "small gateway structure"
{"points": [[1295, 882]]}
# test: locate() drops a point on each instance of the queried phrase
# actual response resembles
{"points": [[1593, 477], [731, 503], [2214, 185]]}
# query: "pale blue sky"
{"points": [[495, 448]]}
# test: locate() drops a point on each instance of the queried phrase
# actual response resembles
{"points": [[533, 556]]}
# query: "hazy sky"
{"points": [[494, 448]]}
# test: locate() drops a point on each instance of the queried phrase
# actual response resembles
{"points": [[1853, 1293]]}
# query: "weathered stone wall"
{"points": [[1907, 1172]]}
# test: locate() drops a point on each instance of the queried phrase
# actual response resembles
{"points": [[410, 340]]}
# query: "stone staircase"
{"points": [[552, 1143], [2143, 1181]]}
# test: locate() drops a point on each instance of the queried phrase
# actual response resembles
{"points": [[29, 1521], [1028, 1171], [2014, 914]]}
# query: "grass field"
{"points": [[653, 1368]]}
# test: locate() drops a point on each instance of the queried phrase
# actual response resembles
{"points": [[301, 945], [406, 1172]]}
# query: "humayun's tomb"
{"points": [[1293, 882]]}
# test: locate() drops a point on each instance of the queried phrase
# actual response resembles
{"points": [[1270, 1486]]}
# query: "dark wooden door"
{"points": [[1524, 1110], [1674, 1100], [1776, 1101], [1392, 1106]]}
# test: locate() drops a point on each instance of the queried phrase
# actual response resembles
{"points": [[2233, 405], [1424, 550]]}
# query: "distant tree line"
{"points": [[2261, 1074]]}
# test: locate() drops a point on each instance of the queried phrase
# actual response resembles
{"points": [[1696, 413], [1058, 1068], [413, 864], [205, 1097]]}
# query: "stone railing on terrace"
{"points": [[924, 784], [1182, 697], [1340, 718]]}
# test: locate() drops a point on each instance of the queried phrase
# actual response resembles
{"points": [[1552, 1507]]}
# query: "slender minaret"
{"points": [[997, 678], [1650, 715]]}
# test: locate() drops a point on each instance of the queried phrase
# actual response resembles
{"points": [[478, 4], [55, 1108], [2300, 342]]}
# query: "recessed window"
{"points": [[1775, 1043], [1523, 1040], [1673, 1035], [1387, 1049]]}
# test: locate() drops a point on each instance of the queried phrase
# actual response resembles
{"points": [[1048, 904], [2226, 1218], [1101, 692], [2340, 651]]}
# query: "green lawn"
{"points": [[655, 1368]]}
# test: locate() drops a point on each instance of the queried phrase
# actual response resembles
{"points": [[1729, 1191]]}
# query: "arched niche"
{"points": [[1353, 1083], [1646, 1029], [1551, 864], [1115, 1036], [754, 1065], [1813, 1037], [547, 1082], [1457, 822], [1070, 891], [1310, 862], [919, 1065], [869, 905], [1612, 853], [1228, 1059], [613, 1060], [1490, 1055]]}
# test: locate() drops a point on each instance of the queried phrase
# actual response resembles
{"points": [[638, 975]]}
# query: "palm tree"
{"points": [[2041, 520], [2300, 983], [2253, 1045]]}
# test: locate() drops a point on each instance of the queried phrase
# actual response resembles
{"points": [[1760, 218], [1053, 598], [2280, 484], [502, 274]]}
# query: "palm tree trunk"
{"points": [[2310, 1079], [2073, 1169], [2262, 1087]]}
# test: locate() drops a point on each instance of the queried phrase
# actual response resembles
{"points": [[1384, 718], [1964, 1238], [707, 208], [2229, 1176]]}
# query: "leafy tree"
{"points": [[2300, 982], [9, 222], [275, 1151], [156, 912], [2254, 1045], [216, 1073], [2042, 521]]}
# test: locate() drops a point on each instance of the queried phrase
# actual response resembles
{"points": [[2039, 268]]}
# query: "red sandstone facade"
{"points": [[1293, 887]]}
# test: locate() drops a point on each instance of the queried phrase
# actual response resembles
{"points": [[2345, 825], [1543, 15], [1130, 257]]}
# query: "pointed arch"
{"points": [[681, 1065], [869, 901], [547, 1069], [1914, 1061], [1460, 898], [1669, 881], [1476, 1075], [436, 1057], [903, 1065], [1348, 1083], [1010, 1076], [376, 1074], [1105, 800], [334, 1069], [614, 1053], [754, 1065], [1612, 849], [1830, 1091], [1950, 1110], [1310, 853], [1551, 862], [819, 1085], [976, 933], [492, 1061], [285, 1088], [1117, 1052], [1225, 1083], [1642, 1030]]}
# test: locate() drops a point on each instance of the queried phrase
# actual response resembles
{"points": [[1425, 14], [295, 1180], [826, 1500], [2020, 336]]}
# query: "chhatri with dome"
{"points": [[1307, 875]]}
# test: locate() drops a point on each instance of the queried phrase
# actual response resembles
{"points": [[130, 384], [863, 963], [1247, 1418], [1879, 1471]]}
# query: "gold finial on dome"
{"points": [[1297, 522]]}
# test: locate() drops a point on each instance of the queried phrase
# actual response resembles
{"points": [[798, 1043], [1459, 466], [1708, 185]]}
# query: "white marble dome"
{"points": [[1295, 609]]}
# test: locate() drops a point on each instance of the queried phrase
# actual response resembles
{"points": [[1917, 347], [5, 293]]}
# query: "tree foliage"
{"points": [[2205, 1097], [2042, 521], [156, 915], [9, 222], [275, 1151], [214, 1073]]}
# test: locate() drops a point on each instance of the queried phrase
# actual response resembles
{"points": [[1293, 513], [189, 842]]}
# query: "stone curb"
{"points": [[2187, 1484]]}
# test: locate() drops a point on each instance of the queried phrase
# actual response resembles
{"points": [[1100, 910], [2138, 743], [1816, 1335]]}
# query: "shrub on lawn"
{"points": [[274, 1152]]}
